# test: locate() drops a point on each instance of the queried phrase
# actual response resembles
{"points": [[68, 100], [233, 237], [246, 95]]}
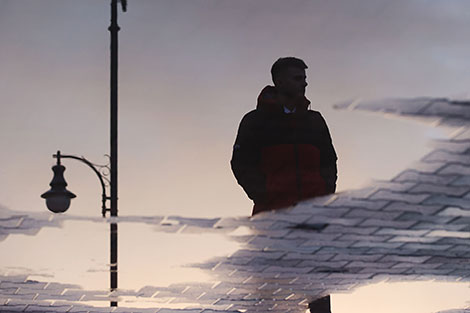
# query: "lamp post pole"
{"points": [[114, 29], [58, 197]]}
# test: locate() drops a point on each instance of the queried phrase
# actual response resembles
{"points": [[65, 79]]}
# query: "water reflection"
{"points": [[403, 297], [397, 297], [77, 253]]}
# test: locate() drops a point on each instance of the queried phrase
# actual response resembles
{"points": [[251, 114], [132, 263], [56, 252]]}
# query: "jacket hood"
{"points": [[268, 101]]}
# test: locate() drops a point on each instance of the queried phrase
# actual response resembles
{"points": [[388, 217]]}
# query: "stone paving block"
{"points": [[404, 197], [310, 257], [446, 108], [455, 212], [385, 245], [60, 287], [297, 270], [405, 259], [314, 245], [40, 308], [436, 189], [362, 193], [358, 257], [311, 235], [335, 220], [401, 232], [447, 200], [428, 271], [413, 239], [451, 146], [267, 262], [79, 309], [372, 265], [5, 291], [462, 181], [387, 223], [276, 244], [433, 226], [417, 217], [446, 156], [311, 264], [374, 272], [349, 230], [367, 238], [395, 186], [430, 247], [330, 212], [13, 308], [446, 233], [460, 249], [363, 213], [428, 168], [290, 217], [347, 250], [256, 253], [27, 296], [230, 223], [199, 222], [357, 203], [456, 169], [463, 135], [453, 121], [413, 265], [415, 176], [278, 231], [11, 222], [33, 285]]}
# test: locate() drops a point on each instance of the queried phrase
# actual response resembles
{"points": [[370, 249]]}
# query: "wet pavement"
{"points": [[406, 237]]}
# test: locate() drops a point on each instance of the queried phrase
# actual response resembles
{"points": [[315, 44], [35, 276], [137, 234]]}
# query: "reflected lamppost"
{"points": [[58, 197]]}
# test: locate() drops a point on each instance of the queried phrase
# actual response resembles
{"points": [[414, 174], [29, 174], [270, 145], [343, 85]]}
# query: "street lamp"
{"points": [[58, 197]]}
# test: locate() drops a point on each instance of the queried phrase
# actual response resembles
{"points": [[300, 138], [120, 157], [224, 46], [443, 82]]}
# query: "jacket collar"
{"points": [[269, 101]]}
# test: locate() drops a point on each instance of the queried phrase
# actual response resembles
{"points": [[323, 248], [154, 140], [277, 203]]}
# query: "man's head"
{"points": [[289, 77]]}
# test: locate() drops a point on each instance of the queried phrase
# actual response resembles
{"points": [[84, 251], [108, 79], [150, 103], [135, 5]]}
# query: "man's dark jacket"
{"points": [[279, 158]]}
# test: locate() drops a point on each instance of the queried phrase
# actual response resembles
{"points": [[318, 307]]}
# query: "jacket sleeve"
{"points": [[246, 156], [328, 169]]}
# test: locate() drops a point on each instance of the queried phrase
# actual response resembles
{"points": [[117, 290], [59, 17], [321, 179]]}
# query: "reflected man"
{"points": [[283, 151]]}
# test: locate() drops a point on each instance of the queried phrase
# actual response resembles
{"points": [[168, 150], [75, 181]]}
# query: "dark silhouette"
{"points": [[321, 305], [283, 151]]}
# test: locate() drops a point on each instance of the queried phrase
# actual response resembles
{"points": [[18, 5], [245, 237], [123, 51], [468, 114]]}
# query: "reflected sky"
{"points": [[78, 253], [188, 73], [404, 297]]}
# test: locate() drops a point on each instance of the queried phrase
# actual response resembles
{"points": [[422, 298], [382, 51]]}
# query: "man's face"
{"points": [[292, 82]]}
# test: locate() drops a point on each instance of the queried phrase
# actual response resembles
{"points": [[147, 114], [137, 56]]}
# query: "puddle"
{"points": [[78, 253], [404, 297]]}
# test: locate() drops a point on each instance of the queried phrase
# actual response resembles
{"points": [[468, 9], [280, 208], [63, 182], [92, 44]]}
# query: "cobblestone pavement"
{"points": [[414, 227]]}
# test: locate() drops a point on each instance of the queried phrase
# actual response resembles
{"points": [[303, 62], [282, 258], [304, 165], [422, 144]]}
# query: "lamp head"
{"points": [[58, 197]]}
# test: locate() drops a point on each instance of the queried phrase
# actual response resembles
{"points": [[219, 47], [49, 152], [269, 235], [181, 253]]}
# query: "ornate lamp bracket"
{"points": [[101, 171]]}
